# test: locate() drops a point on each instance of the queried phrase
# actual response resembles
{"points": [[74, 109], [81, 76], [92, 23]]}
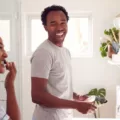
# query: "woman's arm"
{"points": [[12, 105]]}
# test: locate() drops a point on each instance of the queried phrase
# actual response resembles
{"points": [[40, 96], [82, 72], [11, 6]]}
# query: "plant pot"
{"points": [[110, 51]]}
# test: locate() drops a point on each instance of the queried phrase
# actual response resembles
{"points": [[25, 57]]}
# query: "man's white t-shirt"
{"points": [[3, 115], [53, 63]]}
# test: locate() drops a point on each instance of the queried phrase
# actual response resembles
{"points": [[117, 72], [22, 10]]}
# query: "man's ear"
{"points": [[45, 27]]}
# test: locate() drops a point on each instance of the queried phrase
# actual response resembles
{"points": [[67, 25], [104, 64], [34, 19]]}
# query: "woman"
{"points": [[12, 110]]}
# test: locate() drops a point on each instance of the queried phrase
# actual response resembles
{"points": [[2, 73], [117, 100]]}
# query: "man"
{"points": [[12, 111], [51, 71]]}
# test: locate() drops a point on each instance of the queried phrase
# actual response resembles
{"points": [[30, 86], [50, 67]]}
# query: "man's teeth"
{"points": [[59, 34]]}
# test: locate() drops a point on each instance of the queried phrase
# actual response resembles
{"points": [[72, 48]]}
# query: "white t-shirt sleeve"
{"points": [[41, 64], [3, 115]]}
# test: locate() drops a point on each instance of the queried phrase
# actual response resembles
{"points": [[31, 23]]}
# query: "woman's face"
{"points": [[3, 55]]}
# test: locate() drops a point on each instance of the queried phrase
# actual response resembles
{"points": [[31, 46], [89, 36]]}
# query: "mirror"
{"points": [[89, 70]]}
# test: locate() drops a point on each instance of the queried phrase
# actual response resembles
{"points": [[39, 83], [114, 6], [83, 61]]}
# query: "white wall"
{"points": [[87, 72], [7, 6]]}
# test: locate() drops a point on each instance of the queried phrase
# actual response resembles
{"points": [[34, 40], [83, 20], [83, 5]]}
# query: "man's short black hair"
{"points": [[52, 8]]}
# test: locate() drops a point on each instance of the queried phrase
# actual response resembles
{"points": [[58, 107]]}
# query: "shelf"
{"points": [[113, 63]]}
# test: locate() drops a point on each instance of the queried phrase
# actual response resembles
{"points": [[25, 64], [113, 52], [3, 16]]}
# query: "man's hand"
{"points": [[10, 78], [77, 97], [85, 107]]}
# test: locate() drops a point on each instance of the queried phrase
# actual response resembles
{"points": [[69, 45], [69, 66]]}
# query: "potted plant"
{"points": [[110, 42], [100, 99]]}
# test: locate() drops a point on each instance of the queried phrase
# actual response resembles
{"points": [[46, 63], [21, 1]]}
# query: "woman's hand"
{"points": [[10, 78]]}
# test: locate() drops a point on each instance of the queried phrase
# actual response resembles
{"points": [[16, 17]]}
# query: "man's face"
{"points": [[56, 26]]}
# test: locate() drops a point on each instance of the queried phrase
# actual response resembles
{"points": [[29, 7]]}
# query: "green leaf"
{"points": [[103, 44], [102, 92], [99, 93], [106, 49], [106, 32], [114, 29], [93, 92], [98, 102], [101, 48], [103, 53], [110, 32]]}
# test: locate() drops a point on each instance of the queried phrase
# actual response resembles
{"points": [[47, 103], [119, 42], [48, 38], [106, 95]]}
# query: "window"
{"points": [[38, 34], [78, 39], [5, 33]]}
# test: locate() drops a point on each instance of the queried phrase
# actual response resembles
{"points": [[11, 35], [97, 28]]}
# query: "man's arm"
{"points": [[42, 97]]}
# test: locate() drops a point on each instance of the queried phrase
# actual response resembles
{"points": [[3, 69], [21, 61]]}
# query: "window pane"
{"points": [[38, 33], [5, 33], [77, 37]]}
